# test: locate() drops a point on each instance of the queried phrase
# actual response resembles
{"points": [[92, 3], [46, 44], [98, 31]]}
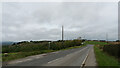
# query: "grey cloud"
{"points": [[43, 21]]}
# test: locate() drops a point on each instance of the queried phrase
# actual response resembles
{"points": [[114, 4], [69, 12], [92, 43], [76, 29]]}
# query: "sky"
{"points": [[25, 21]]}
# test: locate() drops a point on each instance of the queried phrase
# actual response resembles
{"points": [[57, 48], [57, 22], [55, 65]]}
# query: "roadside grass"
{"points": [[0, 57], [18, 55], [103, 59]]}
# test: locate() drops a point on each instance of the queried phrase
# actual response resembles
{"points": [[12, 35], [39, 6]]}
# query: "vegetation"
{"points": [[17, 55], [103, 59], [0, 57], [112, 49], [24, 49], [106, 53], [96, 43], [31, 46]]}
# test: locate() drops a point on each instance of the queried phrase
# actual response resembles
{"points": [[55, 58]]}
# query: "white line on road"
{"points": [[77, 51], [67, 55], [55, 60], [84, 60]]}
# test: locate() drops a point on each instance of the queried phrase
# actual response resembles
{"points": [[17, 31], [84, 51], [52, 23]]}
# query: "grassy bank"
{"points": [[103, 59], [17, 55]]}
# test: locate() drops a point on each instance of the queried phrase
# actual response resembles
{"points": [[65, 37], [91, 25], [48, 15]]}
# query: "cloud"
{"points": [[43, 21]]}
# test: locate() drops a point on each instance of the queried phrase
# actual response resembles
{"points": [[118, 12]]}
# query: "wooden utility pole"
{"points": [[62, 33], [106, 37]]}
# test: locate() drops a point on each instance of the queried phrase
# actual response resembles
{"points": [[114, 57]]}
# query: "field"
{"points": [[96, 43]]}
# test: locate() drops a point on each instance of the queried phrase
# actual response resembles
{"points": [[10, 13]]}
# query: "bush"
{"points": [[62, 45], [113, 49], [31, 46]]}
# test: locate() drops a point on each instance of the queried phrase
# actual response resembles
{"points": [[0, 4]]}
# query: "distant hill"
{"points": [[7, 43]]}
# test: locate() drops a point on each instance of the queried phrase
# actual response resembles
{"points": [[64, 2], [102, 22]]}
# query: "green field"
{"points": [[96, 43]]}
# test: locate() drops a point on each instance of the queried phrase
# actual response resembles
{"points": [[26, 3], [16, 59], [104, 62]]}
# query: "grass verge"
{"points": [[17, 55], [103, 59], [0, 57]]}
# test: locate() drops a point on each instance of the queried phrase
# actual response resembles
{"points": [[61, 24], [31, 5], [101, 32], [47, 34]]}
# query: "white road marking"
{"points": [[28, 59], [54, 60], [77, 51], [67, 55], [84, 60], [19, 61], [56, 52]]}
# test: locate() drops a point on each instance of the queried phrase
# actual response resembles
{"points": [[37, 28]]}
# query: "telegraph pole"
{"points": [[62, 33], [106, 37]]}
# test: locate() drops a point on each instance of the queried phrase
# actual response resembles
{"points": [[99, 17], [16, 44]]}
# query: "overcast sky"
{"points": [[43, 21]]}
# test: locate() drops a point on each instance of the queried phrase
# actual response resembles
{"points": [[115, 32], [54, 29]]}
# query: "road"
{"points": [[71, 57]]}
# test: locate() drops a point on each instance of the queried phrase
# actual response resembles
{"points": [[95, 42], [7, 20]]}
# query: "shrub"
{"points": [[113, 49], [32, 46]]}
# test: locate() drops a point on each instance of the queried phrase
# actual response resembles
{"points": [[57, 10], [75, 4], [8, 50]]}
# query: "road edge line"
{"points": [[83, 63]]}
